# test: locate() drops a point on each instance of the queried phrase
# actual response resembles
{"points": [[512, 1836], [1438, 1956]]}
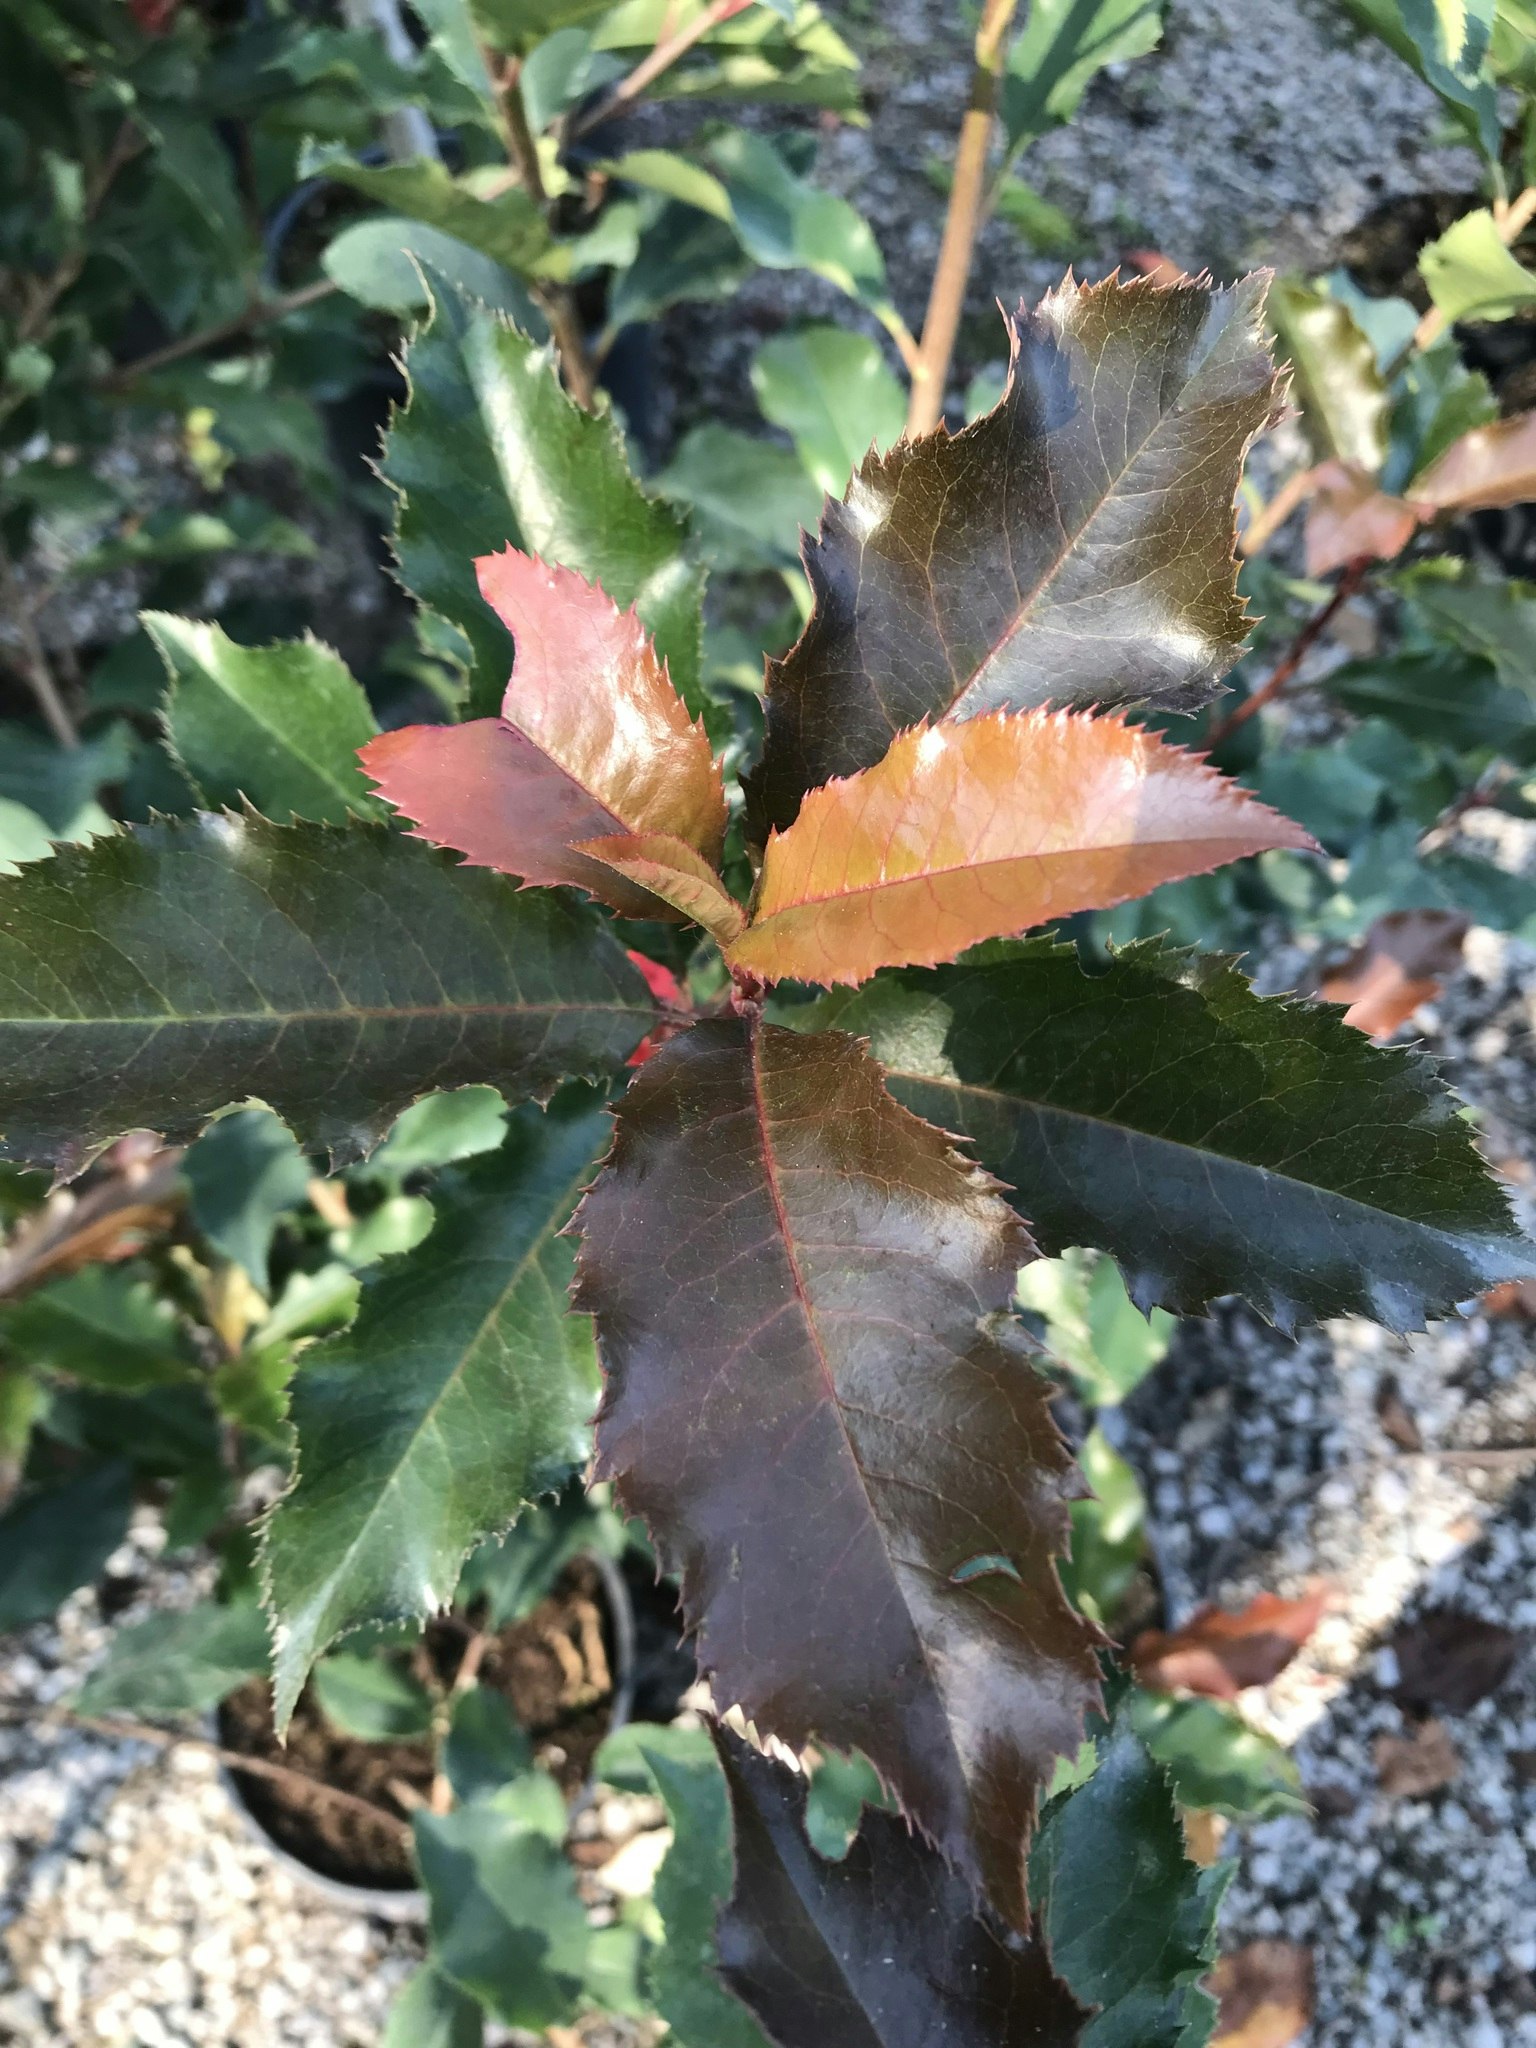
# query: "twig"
{"points": [[649, 69], [1511, 221], [962, 222], [34, 663], [557, 301], [1351, 580], [170, 1738], [259, 313], [1268, 520], [440, 1799], [125, 145]]}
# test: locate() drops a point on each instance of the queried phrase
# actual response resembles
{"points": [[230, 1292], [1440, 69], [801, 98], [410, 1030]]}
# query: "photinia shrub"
{"points": [[811, 1095]]}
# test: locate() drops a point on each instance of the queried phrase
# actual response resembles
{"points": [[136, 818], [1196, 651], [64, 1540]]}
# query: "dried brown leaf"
{"points": [[1451, 1659], [1412, 1766], [1266, 1991], [1398, 966], [1218, 1654], [1349, 519]]}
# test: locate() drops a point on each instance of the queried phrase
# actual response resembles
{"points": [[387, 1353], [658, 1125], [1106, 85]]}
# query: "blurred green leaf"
{"points": [[840, 1789], [1214, 1758], [179, 1663], [485, 1748], [1092, 1325], [1338, 385], [107, 1325], [58, 1539], [384, 262], [1471, 275], [515, 1572], [835, 396], [433, 2013], [371, 1698], [242, 1174], [1062, 45], [454, 1123], [61, 784], [749, 497], [1109, 1533]]}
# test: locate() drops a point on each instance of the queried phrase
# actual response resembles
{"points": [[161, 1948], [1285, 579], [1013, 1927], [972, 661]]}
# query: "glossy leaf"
{"points": [[352, 971], [279, 725], [592, 741], [1471, 274], [846, 1455], [834, 394], [462, 1391], [106, 1325], [809, 1945], [1491, 466], [977, 831], [1214, 1141], [673, 873], [178, 1663], [1073, 546], [489, 451], [1337, 382], [1130, 1921]]}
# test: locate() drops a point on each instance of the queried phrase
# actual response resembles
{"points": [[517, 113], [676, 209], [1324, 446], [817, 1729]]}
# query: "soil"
{"points": [[555, 1668]]}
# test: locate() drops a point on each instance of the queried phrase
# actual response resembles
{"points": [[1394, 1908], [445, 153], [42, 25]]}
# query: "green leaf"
{"points": [[507, 1926], [1109, 1533], [61, 784], [1130, 1921], [485, 1749], [509, 228], [432, 2013], [1062, 45], [58, 1539], [242, 1174], [278, 725], [1411, 30], [23, 836], [1438, 400], [106, 1325], [1215, 1760], [749, 497], [454, 1124], [856, 1360], [840, 1789], [489, 451], [692, 1884], [371, 1698], [153, 976], [1491, 616], [1472, 276], [1212, 1140], [813, 1947], [462, 1391], [383, 262], [518, 1570], [179, 1663], [1092, 1325], [1446, 698], [1341, 391], [835, 396], [682, 255], [1073, 547], [519, 24]]}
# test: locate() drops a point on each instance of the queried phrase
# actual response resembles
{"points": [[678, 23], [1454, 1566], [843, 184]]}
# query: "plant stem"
{"points": [[34, 663], [1511, 221], [556, 299], [962, 223], [259, 313], [662, 58], [125, 145], [1351, 580], [234, 1759]]}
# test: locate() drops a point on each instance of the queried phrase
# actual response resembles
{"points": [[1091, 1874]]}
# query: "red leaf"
{"points": [[978, 830], [1217, 1654], [1397, 968], [592, 741], [841, 1447], [1488, 467], [674, 873]]}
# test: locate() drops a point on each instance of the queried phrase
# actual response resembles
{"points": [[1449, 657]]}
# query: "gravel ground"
{"points": [[136, 1909]]}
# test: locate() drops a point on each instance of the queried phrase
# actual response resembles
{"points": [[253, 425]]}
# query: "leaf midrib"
{"points": [[354, 795], [1041, 1105]]}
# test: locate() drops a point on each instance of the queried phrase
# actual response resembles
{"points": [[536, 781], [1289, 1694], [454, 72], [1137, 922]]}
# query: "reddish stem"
{"points": [[1351, 580]]}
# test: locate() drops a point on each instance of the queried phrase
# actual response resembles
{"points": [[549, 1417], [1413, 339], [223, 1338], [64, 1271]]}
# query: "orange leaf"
{"points": [[975, 831], [1398, 967], [592, 742], [675, 873], [1491, 466], [1349, 518], [1217, 1654]]}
